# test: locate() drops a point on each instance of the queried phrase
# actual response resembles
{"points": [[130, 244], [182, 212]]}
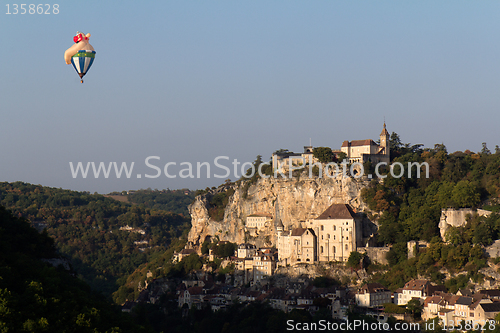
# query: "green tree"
{"points": [[415, 308], [354, 260], [465, 194], [341, 156], [485, 150], [323, 154]]}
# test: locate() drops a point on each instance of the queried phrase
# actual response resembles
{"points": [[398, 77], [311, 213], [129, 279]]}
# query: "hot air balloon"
{"points": [[81, 55]]}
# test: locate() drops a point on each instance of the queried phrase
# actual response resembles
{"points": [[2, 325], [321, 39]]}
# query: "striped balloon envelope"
{"points": [[82, 61]]}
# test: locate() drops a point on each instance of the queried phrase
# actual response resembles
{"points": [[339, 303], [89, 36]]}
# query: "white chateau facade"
{"points": [[355, 151], [367, 150]]}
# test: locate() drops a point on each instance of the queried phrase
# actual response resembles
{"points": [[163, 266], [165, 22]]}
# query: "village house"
{"points": [[264, 264], [372, 295], [177, 257], [485, 312], [412, 289], [246, 250], [456, 309]]}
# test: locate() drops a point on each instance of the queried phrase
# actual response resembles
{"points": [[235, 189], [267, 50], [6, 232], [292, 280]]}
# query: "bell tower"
{"points": [[384, 142]]}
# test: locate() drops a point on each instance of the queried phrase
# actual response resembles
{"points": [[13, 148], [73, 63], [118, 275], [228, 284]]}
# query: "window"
{"points": [[321, 249], [347, 247], [322, 228], [334, 228], [334, 250], [347, 238], [328, 236]]}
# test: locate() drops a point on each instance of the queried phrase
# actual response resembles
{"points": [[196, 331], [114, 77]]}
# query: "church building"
{"points": [[332, 236]]}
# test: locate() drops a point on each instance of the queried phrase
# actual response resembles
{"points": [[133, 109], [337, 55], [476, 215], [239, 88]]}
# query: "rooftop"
{"points": [[337, 211], [357, 143]]}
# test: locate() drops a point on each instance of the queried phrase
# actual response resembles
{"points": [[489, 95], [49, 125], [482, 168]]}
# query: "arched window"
{"points": [[322, 228], [321, 249], [334, 227], [347, 247], [334, 250], [328, 236]]}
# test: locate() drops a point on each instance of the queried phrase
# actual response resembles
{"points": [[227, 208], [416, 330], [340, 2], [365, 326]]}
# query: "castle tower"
{"points": [[384, 142], [279, 228]]}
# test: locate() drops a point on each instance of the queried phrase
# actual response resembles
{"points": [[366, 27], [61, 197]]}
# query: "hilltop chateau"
{"points": [[355, 151]]}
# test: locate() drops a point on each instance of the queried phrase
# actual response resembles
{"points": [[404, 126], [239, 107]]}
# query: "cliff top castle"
{"points": [[356, 151]]}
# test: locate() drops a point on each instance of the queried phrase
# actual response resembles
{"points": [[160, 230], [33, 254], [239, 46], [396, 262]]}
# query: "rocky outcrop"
{"points": [[289, 200], [457, 218]]}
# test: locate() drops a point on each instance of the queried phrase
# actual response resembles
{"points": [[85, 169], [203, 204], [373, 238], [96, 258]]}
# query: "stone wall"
{"points": [[376, 254]]}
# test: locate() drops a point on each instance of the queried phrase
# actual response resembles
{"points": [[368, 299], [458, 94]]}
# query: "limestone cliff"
{"points": [[290, 200]]}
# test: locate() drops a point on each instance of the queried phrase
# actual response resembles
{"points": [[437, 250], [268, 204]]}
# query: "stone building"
{"points": [[338, 233], [332, 236], [372, 295], [259, 220], [282, 161], [367, 150], [356, 151], [264, 264]]}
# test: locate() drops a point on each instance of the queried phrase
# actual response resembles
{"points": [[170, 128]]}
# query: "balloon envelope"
{"points": [[82, 61]]}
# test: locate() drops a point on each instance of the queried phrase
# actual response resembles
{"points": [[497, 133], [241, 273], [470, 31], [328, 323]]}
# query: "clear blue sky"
{"points": [[192, 80]]}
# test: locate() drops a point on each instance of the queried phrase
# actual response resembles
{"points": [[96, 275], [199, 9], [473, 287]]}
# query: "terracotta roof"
{"points": [[416, 285], [432, 300], [474, 305], [298, 231], [357, 143], [337, 211]]}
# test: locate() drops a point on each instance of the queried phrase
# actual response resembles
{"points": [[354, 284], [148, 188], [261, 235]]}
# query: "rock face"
{"points": [[291, 200], [457, 218]]}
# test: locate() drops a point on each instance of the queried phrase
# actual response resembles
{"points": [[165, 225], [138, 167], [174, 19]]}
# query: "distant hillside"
{"points": [[105, 239], [36, 297], [175, 201]]}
